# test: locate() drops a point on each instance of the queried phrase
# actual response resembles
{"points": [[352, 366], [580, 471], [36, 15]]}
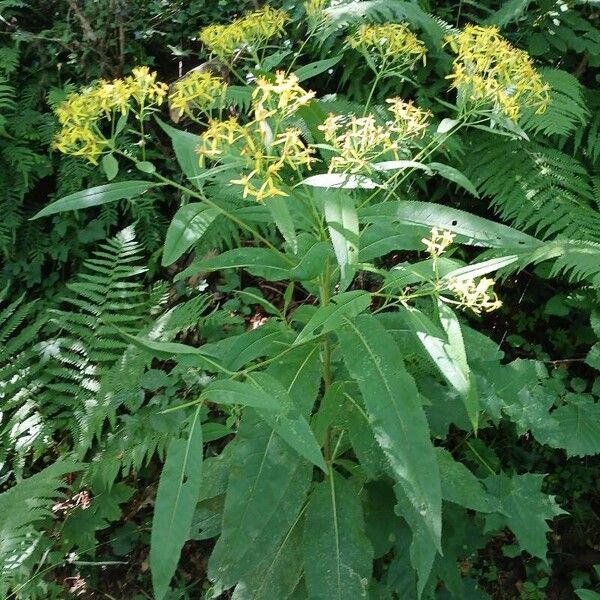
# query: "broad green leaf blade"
{"points": [[267, 487], [291, 426], [265, 472], [454, 175], [187, 227], [331, 316], [397, 417], [316, 68], [226, 391], [338, 557], [176, 499], [393, 165], [185, 145], [461, 487], [477, 231], [279, 209], [525, 510], [578, 430], [96, 196], [342, 222], [278, 576], [587, 595]]}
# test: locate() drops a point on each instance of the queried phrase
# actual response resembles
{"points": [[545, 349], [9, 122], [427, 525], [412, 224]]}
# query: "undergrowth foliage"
{"points": [[305, 369]]}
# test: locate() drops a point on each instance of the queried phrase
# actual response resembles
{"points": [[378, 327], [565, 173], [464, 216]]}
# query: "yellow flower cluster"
{"points": [[266, 149], [82, 115], [199, 90], [410, 121], [393, 45], [315, 13], [439, 242], [283, 97], [361, 141], [477, 296], [488, 70], [253, 31]]}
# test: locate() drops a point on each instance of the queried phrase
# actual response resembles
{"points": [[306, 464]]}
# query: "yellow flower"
{"points": [[440, 240], [144, 87], [283, 97], [200, 90], [84, 115], [409, 120], [393, 45], [253, 31], [489, 71], [475, 295], [315, 13]]}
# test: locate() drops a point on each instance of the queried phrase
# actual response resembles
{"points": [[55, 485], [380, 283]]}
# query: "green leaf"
{"points": [[526, 510], [185, 145], [279, 574], [176, 499], [342, 222], [279, 209], [446, 125], [461, 487], [265, 472], [340, 180], [268, 483], [397, 417], [331, 316], [587, 595], [448, 358], [96, 196], [578, 428], [316, 68], [110, 166], [145, 167], [226, 391], [477, 230], [187, 227], [292, 427], [338, 557], [454, 175], [482, 268]]}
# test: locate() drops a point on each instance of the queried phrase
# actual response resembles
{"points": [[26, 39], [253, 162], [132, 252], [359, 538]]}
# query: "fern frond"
{"points": [[536, 188], [567, 109]]}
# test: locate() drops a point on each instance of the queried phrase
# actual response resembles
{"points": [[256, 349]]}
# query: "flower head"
{"points": [[315, 13], [476, 295], [410, 121], [283, 97], [251, 31], [440, 240], [390, 44], [84, 115], [198, 90], [488, 70]]}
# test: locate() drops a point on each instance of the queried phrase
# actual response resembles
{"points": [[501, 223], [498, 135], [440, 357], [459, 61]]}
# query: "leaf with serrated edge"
{"points": [[338, 557], [397, 417]]}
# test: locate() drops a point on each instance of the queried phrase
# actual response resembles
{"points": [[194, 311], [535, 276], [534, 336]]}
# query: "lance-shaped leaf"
{"points": [[392, 402], [176, 499], [187, 227], [242, 393], [476, 230], [185, 145], [338, 557], [342, 222], [447, 354], [331, 316], [290, 425], [265, 472], [316, 68], [103, 194], [279, 209]]}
